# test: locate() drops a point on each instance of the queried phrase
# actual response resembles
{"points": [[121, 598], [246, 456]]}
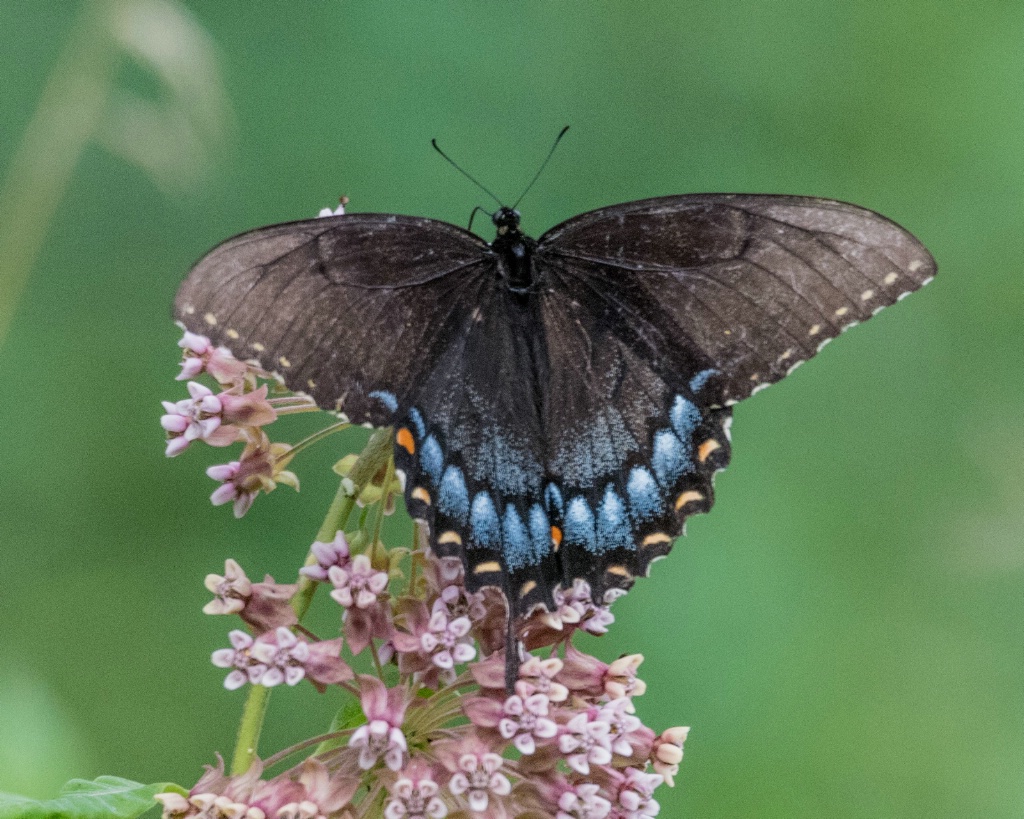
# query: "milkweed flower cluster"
{"points": [[436, 733]]}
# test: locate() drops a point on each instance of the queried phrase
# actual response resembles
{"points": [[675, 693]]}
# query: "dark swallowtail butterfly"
{"points": [[560, 405]]}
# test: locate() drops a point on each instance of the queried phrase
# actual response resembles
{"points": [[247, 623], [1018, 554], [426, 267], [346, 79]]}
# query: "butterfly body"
{"points": [[560, 405]]}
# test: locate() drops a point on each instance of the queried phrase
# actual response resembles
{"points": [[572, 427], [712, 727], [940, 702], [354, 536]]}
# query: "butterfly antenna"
{"points": [[461, 170], [474, 212], [543, 165]]}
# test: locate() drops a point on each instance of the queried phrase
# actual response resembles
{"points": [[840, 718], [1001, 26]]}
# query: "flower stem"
{"points": [[249, 728], [255, 709], [319, 436]]}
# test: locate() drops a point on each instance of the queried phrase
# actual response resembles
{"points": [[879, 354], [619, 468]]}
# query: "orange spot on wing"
{"points": [[405, 441], [556, 537], [705, 449], [688, 497]]}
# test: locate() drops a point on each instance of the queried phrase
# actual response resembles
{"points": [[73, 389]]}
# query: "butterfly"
{"points": [[560, 406]]}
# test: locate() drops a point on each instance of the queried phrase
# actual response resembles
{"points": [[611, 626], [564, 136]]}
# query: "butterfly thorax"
{"points": [[515, 252]]}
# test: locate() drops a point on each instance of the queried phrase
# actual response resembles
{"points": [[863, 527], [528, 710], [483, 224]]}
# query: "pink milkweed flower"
{"points": [[414, 795], [635, 794], [537, 676], [583, 801], [584, 740], [201, 356], [231, 590], [382, 735], [574, 609], [195, 419], [455, 601], [446, 640], [621, 725], [335, 553], [480, 780], [263, 606], [588, 676], [667, 753], [246, 409], [323, 794], [620, 680], [525, 721], [283, 657], [237, 658], [358, 584], [260, 469]]}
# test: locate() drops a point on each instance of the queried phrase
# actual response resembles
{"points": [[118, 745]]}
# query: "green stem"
{"points": [[316, 437], [255, 709], [249, 729]]}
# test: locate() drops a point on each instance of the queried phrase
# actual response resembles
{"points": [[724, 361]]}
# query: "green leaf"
{"points": [[350, 715], [108, 797]]}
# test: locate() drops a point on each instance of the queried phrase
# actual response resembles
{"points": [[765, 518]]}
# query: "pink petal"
{"points": [[223, 472], [393, 759], [176, 446], [273, 677], [545, 729], [478, 801], [242, 504], [239, 639], [174, 422], [600, 756], [463, 653], [190, 368], [579, 764], [198, 391], [236, 679], [500, 785], [194, 342], [373, 696]]}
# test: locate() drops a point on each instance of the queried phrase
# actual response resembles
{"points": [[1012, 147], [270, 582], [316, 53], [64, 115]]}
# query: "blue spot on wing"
{"points": [[540, 533], [453, 497], [579, 524], [685, 418], [483, 521], [700, 379], [417, 422], [388, 399], [432, 459], [553, 499], [515, 540], [613, 530], [645, 500], [670, 459]]}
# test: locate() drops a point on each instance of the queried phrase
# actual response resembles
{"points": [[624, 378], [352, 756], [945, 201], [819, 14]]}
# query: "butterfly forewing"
{"points": [[758, 282], [349, 309]]}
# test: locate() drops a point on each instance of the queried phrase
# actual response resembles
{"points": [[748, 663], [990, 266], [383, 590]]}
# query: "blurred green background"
{"points": [[842, 632]]}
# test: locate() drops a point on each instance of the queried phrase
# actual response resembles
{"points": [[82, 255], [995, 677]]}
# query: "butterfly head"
{"points": [[506, 220]]}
